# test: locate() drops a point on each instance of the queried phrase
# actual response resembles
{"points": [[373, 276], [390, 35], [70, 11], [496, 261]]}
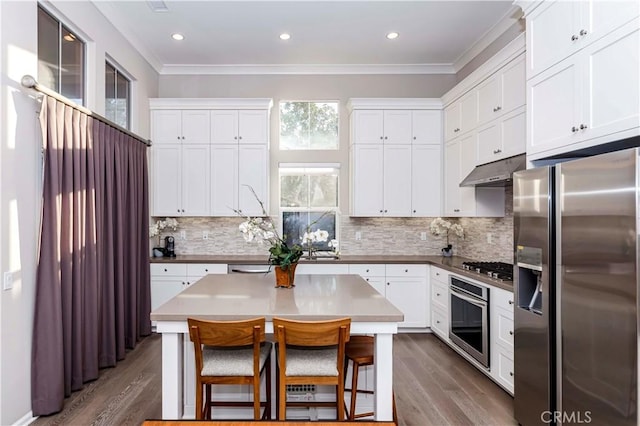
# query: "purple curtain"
{"points": [[92, 286]]}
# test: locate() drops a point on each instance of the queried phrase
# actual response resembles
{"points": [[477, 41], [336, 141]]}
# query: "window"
{"points": [[60, 58], [309, 197], [116, 96], [308, 125]]}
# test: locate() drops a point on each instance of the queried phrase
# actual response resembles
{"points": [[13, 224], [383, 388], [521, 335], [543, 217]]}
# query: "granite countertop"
{"points": [[452, 264]]}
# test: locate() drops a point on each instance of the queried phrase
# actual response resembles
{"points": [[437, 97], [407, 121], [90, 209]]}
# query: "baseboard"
{"points": [[25, 420]]}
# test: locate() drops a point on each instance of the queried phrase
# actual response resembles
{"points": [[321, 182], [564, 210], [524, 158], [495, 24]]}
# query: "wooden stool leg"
{"points": [[354, 391]]}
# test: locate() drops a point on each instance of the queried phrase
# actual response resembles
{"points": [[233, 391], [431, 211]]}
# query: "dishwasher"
{"points": [[249, 269]]}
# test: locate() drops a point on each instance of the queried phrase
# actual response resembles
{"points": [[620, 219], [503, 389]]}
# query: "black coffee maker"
{"points": [[169, 246]]}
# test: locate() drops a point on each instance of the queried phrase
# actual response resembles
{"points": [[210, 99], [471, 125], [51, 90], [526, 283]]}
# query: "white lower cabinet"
{"points": [[167, 280], [501, 337], [405, 286], [440, 303]]}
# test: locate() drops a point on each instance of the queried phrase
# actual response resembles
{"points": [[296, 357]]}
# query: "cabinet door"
{"points": [[410, 296], [224, 179], [367, 180], [468, 112], [378, 283], [195, 180], [397, 180], [253, 171], [165, 288], [426, 127], [612, 88], [451, 121], [489, 94], [452, 178], [553, 103], [513, 81], [224, 127], [489, 142], [468, 147], [397, 127], [426, 180], [167, 180], [166, 126], [253, 127], [602, 17], [196, 126], [552, 34], [513, 133], [367, 127]]}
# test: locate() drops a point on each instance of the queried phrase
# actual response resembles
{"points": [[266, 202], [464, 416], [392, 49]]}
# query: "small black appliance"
{"points": [[169, 246]]}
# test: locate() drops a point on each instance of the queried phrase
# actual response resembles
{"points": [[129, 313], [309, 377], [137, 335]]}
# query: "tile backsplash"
{"points": [[379, 236]]}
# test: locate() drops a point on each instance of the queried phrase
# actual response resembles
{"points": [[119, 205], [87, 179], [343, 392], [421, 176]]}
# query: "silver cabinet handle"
{"points": [[165, 269], [438, 274], [406, 270], [437, 322], [511, 333], [235, 137], [367, 270], [239, 137], [583, 32], [574, 129], [385, 211], [381, 137], [583, 126], [414, 138], [206, 270], [437, 294], [497, 151], [178, 137], [498, 108], [511, 302], [249, 271], [511, 373], [456, 210], [385, 138], [574, 37], [380, 211]]}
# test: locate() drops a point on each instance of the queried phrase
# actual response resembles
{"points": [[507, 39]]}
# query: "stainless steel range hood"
{"points": [[497, 173]]}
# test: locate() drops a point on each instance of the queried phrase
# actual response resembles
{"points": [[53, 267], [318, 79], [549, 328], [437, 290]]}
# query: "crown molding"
{"points": [[489, 37], [307, 69], [113, 16], [210, 103], [394, 103], [510, 52]]}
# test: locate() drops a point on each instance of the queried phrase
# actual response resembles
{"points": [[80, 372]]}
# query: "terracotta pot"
{"points": [[285, 275]]}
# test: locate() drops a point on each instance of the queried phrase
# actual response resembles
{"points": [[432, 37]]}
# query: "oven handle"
{"points": [[477, 302]]}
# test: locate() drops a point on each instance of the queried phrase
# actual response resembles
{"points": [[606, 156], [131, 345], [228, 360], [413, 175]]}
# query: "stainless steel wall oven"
{"points": [[469, 321]]}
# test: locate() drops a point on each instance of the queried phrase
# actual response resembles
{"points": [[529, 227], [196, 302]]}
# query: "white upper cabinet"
{"points": [[239, 126], [592, 96], [395, 157], [426, 127], [557, 29], [461, 116], [176, 126], [205, 151], [502, 138], [503, 92]]}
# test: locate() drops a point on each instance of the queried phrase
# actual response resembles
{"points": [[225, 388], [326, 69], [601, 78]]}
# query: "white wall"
{"points": [[20, 169]]}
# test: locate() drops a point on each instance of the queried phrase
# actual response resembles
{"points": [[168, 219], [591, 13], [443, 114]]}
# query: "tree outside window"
{"points": [[308, 125], [117, 88]]}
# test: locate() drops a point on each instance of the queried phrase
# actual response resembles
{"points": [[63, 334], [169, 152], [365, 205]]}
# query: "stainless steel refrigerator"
{"points": [[576, 290]]}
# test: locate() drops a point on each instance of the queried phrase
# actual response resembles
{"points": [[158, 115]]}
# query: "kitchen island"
{"points": [[314, 297]]}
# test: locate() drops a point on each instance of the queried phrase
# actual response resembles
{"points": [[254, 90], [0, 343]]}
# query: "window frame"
{"points": [[62, 25], [315, 101], [118, 71], [310, 209]]}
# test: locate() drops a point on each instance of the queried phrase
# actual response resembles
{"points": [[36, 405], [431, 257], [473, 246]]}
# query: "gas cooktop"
{"points": [[498, 270]]}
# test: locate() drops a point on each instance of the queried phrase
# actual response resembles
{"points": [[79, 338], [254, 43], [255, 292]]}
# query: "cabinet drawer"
{"points": [[169, 269], [505, 369], [505, 329], [406, 270], [440, 295], [439, 275], [440, 323], [202, 269], [502, 299], [370, 270]]}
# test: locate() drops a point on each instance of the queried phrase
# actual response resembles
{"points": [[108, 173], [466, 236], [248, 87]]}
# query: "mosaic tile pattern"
{"points": [[379, 236]]}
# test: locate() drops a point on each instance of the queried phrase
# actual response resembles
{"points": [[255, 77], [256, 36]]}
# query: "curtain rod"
{"points": [[31, 83]]}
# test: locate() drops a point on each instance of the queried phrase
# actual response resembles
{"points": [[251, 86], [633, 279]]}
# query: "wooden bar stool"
{"points": [[359, 350], [311, 352], [231, 353]]}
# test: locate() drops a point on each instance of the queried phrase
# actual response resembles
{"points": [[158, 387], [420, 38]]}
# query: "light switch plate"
{"points": [[423, 236], [358, 235], [7, 283]]}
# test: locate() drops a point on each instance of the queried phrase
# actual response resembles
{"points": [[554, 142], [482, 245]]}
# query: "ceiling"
{"points": [[238, 37]]}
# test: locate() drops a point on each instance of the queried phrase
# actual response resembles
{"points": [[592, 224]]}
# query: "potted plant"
{"points": [[440, 226], [283, 257]]}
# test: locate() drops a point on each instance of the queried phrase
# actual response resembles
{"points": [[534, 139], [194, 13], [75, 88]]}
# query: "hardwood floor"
{"points": [[433, 386]]}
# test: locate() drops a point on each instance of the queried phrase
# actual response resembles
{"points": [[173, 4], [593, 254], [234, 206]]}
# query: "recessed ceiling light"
{"points": [[285, 36], [392, 35], [177, 36]]}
